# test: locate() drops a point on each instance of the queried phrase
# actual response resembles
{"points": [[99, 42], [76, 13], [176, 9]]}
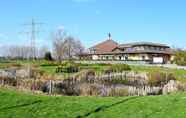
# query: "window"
{"points": [[156, 48], [130, 49], [119, 57], [126, 57], [152, 48], [143, 57], [142, 48]]}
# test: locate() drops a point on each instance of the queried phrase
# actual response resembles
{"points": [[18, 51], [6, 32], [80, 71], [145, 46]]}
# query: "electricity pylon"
{"points": [[32, 34]]}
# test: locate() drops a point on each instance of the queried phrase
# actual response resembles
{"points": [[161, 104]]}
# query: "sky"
{"points": [[90, 21]]}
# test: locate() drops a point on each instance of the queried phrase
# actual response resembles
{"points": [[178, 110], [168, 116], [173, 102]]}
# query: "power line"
{"points": [[33, 33]]}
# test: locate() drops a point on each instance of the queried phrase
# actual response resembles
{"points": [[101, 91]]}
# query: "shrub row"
{"points": [[68, 67], [118, 68]]}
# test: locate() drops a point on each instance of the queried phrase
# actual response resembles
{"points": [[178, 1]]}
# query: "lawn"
{"points": [[99, 68], [20, 105], [179, 74]]}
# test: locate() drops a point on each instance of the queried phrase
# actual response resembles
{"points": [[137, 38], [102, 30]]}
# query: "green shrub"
{"points": [[102, 64], [48, 56], [180, 57], [68, 67], [118, 68]]}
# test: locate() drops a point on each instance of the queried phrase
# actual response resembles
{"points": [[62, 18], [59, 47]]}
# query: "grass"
{"points": [[99, 68], [48, 69], [179, 74], [19, 105]]}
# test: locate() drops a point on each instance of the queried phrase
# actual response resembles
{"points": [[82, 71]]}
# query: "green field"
{"points": [[19, 105]]}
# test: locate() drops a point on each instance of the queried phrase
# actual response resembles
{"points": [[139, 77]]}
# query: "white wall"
{"points": [[157, 59], [95, 57]]}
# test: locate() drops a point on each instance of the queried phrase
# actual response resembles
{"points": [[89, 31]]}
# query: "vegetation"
{"points": [[69, 67], [118, 68], [65, 46], [179, 74], [50, 67], [159, 78], [48, 56], [180, 57], [19, 105]]}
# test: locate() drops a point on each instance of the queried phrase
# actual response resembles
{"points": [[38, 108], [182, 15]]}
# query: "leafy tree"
{"points": [[48, 56], [180, 57]]}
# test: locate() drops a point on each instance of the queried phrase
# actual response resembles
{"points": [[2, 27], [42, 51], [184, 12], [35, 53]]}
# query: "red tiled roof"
{"points": [[141, 44], [110, 47], [106, 46]]}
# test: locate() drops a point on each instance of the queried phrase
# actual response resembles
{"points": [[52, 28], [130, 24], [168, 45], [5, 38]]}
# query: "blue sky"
{"points": [[162, 21]]}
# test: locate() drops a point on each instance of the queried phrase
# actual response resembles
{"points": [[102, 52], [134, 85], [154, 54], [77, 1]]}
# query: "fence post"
{"points": [[166, 76], [50, 87], [2, 81]]}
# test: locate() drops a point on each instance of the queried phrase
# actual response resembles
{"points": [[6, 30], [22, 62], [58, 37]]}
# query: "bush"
{"points": [[48, 56], [181, 86], [102, 64], [68, 67], [180, 57], [85, 75], [118, 68], [159, 78]]}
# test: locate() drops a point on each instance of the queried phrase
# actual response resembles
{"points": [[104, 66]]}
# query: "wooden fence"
{"points": [[126, 83]]}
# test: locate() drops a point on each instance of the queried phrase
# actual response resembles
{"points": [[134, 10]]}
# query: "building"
{"points": [[139, 52]]}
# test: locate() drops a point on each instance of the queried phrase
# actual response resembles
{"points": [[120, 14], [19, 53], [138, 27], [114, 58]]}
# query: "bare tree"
{"points": [[72, 47], [79, 47], [66, 47], [17, 52], [42, 51], [58, 41]]}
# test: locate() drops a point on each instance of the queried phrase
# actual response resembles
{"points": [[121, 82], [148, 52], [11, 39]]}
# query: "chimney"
{"points": [[109, 36]]}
